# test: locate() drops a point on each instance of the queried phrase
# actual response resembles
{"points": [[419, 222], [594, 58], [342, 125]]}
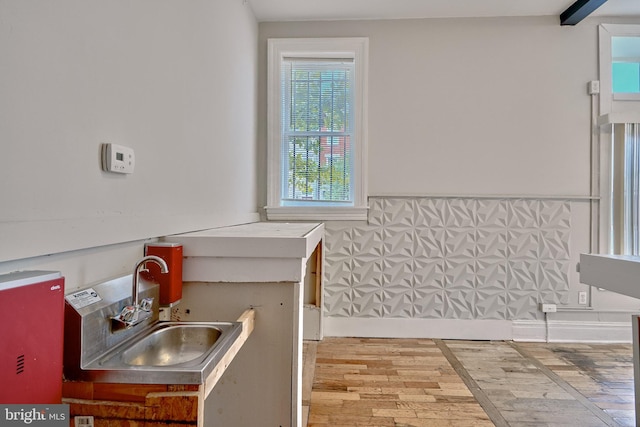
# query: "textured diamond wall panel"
{"points": [[449, 258]]}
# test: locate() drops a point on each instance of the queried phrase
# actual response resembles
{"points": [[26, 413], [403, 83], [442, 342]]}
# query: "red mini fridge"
{"points": [[31, 337]]}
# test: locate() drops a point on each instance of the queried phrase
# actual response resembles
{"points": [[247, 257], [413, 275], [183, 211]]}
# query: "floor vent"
{"points": [[20, 364]]}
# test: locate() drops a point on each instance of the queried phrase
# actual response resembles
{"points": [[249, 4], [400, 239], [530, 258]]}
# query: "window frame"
{"points": [[606, 32], [355, 48]]}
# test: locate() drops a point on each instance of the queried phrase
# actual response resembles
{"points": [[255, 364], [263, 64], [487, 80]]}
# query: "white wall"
{"points": [[174, 80], [476, 107], [472, 106]]}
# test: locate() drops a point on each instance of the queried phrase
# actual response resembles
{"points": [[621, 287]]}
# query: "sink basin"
{"points": [[149, 352], [172, 345], [166, 353]]}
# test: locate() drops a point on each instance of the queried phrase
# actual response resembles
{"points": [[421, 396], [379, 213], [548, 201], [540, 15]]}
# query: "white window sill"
{"points": [[316, 213]]}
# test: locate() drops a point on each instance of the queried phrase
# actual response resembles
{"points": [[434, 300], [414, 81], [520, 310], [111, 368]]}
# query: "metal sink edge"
{"points": [[107, 369]]}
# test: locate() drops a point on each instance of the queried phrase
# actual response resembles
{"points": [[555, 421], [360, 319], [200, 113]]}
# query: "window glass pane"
{"points": [[625, 58], [626, 77], [303, 167], [317, 103]]}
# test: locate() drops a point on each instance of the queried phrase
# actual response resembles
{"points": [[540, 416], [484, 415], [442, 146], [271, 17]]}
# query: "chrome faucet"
{"points": [[133, 314], [139, 268]]}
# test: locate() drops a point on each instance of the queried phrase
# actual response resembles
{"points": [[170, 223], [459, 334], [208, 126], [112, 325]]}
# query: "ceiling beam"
{"points": [[579, 10]]}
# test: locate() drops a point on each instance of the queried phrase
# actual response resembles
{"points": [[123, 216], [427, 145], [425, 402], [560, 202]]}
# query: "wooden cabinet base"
{"points": [[150, 405], [132, 405]]}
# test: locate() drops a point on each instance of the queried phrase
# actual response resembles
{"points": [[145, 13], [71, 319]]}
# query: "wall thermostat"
{"points": [[117, 158]]}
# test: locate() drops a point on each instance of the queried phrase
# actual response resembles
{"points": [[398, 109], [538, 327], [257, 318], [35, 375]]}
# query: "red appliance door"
{"points": [[32, 339]]}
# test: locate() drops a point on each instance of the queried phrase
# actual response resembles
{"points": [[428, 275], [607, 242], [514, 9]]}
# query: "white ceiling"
{"points": [[307, 10]]}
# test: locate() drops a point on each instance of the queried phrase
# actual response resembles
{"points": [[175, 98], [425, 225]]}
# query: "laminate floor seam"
{"points": [[595, 410], [492, 412]]}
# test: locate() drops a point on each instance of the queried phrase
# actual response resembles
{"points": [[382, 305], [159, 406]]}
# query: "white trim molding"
{"points": [[481, 329], [572, 331], [320, 213], [463, 329]]}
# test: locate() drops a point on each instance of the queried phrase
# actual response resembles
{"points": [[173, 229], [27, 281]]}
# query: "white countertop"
{"points": [[259, 229], [260, 251], [616, 273]]}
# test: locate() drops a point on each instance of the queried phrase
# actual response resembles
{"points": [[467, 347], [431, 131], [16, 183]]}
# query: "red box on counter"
{"points": [[171, 282]]}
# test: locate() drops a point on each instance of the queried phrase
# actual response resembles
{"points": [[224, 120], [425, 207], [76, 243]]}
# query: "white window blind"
{"points": [[626, 189], [317, 131]]}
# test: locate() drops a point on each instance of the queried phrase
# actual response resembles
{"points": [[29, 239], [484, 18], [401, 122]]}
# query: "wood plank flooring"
{"points": [[423, 382]]}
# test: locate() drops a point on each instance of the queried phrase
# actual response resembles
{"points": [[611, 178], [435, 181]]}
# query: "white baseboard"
{"points": [[516, 330], [417, 328], [529, 330], [573, 331]]}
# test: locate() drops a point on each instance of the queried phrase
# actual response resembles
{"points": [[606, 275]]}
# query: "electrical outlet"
{"points": [[582, 298], [83, 421], [548, 308]]}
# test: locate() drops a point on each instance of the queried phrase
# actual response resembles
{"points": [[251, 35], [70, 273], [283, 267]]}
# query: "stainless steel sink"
{"points": [[166, 353], [170, 345], [150, 352]]}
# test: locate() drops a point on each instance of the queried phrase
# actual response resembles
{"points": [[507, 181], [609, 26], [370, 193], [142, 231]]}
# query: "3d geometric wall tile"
{"points": [[450, 258]]}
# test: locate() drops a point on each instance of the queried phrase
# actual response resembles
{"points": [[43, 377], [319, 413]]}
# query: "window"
{"points": [[619, 66], [317, 129], [620, 111]]}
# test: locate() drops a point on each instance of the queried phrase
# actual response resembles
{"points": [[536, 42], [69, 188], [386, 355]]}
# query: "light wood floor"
{"points": [[423, 382]]}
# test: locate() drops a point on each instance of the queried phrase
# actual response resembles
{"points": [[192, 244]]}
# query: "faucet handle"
{"points": [[146, 304], [128, 314]]}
